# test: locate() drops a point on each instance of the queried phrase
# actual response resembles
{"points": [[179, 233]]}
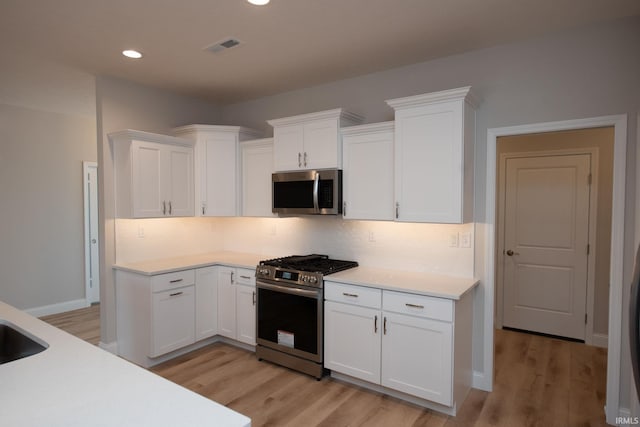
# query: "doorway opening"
{"points": [[484, 379], [553, 232], [91, 239]]}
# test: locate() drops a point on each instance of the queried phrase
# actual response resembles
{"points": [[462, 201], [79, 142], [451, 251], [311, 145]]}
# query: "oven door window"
{"points": [[288, 320]]}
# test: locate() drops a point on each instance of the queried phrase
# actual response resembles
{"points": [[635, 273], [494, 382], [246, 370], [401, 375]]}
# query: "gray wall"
{"points": [[125, 105], [47, 128], [588, 72]]}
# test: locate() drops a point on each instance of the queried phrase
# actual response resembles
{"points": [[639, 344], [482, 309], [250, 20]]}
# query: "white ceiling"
{"points": [[288, 44]]}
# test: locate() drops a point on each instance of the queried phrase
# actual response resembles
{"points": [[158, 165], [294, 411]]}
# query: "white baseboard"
{"points": [[111, 347], [480, 382], [60, 307], [600, 340]]}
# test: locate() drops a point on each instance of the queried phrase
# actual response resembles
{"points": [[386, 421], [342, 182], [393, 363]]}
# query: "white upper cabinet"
{"points": [[257, 167], [434, 138], [310, 141], [153, 175], [367, 176], [217, 180]]}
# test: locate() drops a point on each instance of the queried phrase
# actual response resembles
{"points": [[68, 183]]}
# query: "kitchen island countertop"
{"points": [[73, 383]]}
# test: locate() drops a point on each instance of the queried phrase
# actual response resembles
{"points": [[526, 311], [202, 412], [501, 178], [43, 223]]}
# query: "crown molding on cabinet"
{"points": [[368, 128], [243, 133], [138, 135], [347, 117], [465, 93]]}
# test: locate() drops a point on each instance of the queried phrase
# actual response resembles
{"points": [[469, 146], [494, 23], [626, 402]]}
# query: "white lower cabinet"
{"points": [[417, 357], [246, 314], [352, 341], [173, 320], [206, 302], [163, 313], [401, 341], [236, 304]]}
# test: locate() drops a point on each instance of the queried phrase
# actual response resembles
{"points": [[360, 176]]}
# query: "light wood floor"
{"points": [[539, 381]]}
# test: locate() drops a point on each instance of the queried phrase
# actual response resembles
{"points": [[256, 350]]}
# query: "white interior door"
{"points": [[92, 258], [546, 232]]}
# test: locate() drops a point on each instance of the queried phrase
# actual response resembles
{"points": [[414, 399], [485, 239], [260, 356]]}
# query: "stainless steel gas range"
{"points": [[290, 310]]}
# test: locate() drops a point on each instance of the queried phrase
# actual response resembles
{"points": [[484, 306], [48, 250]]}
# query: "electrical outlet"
{"points": [[465, 240], [372, 236], [453, 240], [141, 232]]}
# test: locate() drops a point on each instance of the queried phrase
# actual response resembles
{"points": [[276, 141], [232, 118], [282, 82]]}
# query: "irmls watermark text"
{"points": [[627, 421]]}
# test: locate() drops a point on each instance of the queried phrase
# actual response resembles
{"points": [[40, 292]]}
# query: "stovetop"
{"points": [[310, 263]]}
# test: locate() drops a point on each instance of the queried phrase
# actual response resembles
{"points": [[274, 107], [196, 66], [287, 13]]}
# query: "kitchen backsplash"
{"points": [[416, 247]]}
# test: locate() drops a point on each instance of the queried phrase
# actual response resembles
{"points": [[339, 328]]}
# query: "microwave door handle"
{"points": [[316, 182]]}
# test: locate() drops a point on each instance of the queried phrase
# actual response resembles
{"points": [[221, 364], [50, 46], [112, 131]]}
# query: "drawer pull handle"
{"points": [[346, 294], [175, 294], [175, 281], [375, 324], [384, 325], [245, 277], [414, 306]]}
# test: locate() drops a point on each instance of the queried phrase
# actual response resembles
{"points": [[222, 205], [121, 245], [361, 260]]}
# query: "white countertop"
{"points": [[168, 265], [73, 383], [436, 285]]}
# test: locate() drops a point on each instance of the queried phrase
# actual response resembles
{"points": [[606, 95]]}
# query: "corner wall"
{"points": [[47, 129]]}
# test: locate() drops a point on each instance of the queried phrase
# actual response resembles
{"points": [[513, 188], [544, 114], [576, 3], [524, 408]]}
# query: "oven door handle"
{"points": [[288, 290]]}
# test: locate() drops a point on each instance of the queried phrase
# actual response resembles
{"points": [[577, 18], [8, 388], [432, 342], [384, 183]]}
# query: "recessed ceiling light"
{"points": [[258, 2], [132, 54]]}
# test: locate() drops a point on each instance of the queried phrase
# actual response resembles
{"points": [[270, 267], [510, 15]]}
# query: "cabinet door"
{"points": [[227, 302], [417, 357], [321, 145], [428, 163], [287, 147], [220, 186], [147, 193], [367, 178], [352, 340], [206, 302], [246, 314], [173, 320], [179, 181], [257, 167]]}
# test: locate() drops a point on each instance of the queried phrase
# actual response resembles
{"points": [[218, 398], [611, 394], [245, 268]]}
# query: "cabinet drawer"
{"points": [[418, 305], [177, 279], [352, 294], [245, 277]]}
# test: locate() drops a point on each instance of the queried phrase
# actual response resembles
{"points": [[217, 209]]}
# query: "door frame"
{"points": [[87, 228], [616, 274], [594, 152]]}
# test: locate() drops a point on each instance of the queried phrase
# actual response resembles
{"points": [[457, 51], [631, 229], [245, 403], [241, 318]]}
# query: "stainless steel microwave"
{"points": [[312, 192]]}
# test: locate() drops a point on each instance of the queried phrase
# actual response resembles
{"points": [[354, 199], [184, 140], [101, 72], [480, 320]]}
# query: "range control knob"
{"points": [[264, 271], [304, 278], [313, 279]]}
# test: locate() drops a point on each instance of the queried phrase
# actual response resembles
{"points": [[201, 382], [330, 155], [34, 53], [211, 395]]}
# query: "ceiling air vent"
{"points": [[222, 45]]}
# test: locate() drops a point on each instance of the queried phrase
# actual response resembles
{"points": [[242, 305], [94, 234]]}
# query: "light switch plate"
{"points": [[465, 240], [453, 240]]}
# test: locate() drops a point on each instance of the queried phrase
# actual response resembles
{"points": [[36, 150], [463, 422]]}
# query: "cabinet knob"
{"points": [[305, 159], [299, 159]]}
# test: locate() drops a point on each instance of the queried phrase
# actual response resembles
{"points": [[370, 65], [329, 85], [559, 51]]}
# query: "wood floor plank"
{"points": [[538, 381]]}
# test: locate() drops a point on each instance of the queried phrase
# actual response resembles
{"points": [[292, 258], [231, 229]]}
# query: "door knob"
{"points": [[511, 253]]}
